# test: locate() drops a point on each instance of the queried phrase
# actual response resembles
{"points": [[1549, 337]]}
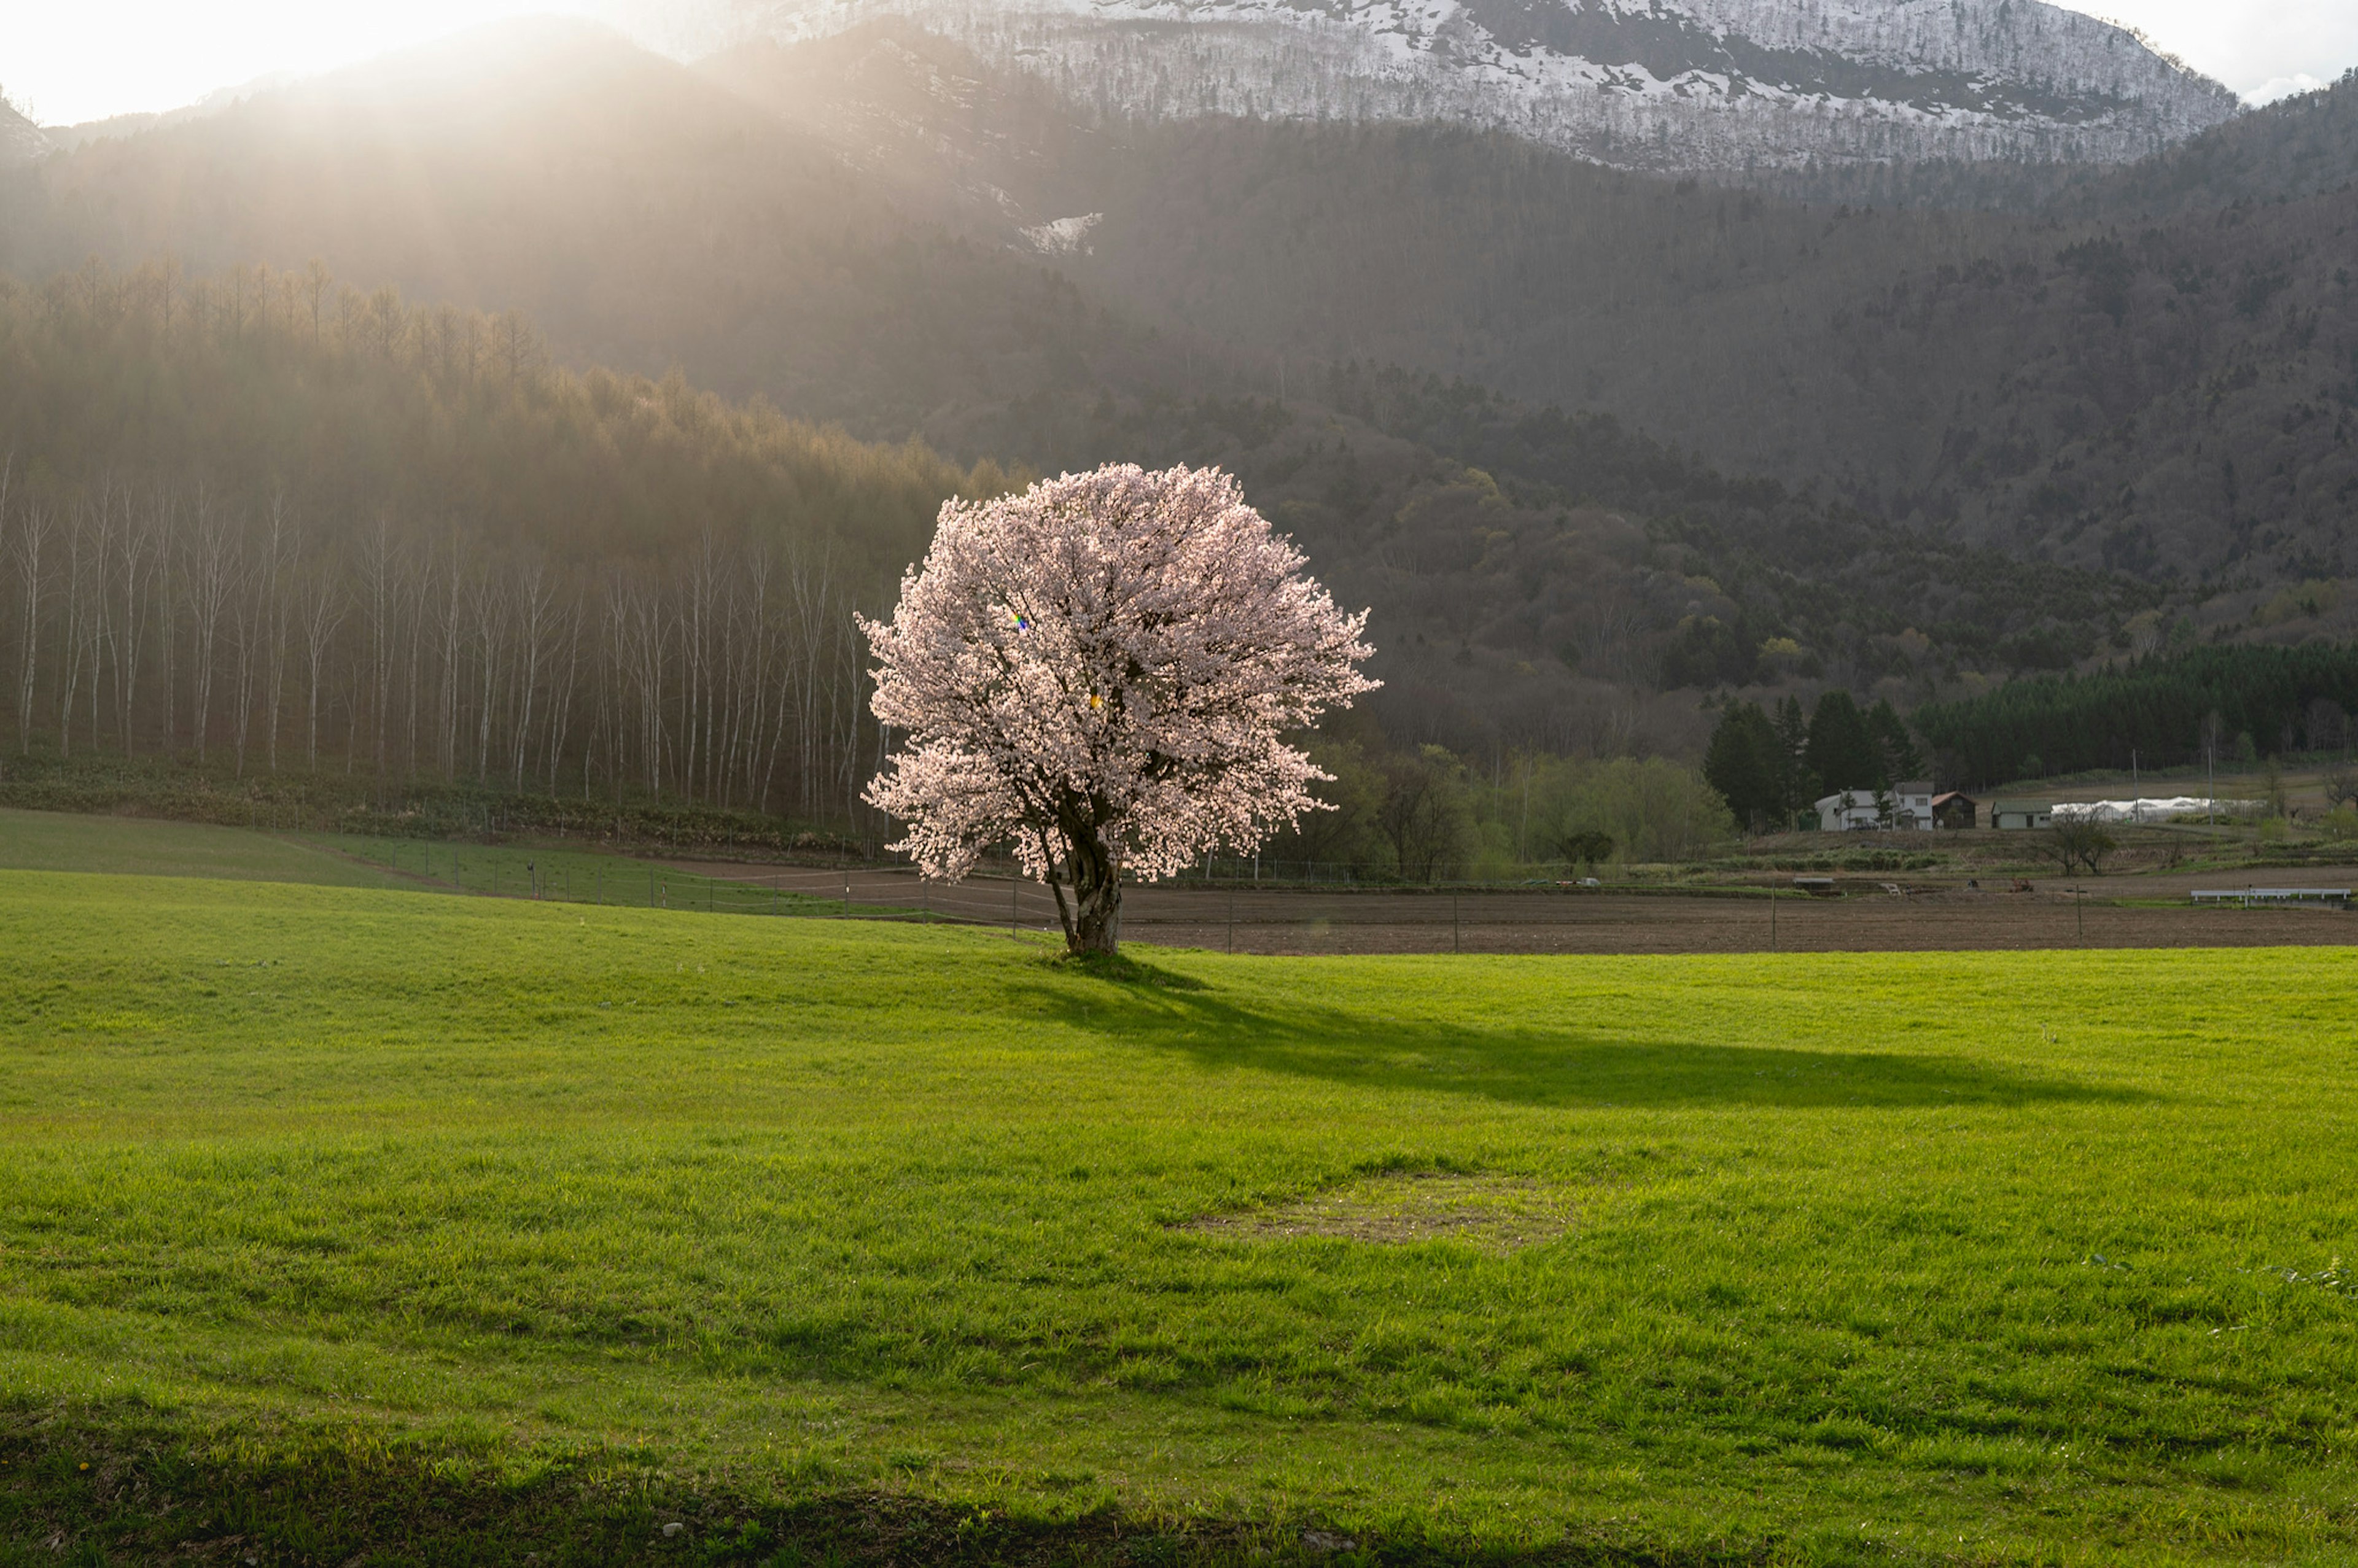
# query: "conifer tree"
{"points": [[1896, 749], [1801, 788], [1842, 752], [1743, 762]]}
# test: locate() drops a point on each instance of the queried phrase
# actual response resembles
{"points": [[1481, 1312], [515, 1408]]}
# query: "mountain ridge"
{"points": [[21, 141], [1713, 87]]}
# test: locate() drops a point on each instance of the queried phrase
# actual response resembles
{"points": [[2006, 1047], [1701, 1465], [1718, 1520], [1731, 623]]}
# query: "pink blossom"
{"points": [[1100, 671]]}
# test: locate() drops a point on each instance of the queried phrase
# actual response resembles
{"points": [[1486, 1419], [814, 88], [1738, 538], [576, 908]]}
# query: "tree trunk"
{"points": [[1097, 917], [1093, 925]]}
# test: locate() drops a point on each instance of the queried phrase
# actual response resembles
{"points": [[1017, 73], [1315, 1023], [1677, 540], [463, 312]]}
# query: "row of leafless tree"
{"points": [[163, 617]]}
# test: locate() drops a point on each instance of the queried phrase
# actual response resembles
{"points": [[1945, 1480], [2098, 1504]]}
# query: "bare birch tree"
{"points": [[320, 610], [205, 585]]}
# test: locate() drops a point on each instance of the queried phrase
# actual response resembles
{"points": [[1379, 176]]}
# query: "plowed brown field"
{"points": [[1865, 918]]}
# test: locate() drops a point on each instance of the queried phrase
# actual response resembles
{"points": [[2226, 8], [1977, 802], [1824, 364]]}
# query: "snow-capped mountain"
{"points": [[1715, 86]]}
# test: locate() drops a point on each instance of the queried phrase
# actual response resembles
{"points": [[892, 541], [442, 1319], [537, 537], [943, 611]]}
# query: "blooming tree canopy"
{"points": [[1102, 672]]}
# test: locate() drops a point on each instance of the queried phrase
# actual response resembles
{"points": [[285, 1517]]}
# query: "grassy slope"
{"points": [[55, 841], [806, 1209]]}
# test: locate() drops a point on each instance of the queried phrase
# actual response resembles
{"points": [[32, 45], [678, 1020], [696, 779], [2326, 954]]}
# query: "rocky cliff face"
{"points": [[1703, 86]]}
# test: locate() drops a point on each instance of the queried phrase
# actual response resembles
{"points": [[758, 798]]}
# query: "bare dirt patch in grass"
{"points": [[1503, 1214]]}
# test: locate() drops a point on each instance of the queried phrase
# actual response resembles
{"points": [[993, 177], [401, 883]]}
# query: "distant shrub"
{"points": [[1875, 860]]}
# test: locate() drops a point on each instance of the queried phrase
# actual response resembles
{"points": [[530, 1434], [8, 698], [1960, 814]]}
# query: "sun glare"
{"points": [[65, 64]]}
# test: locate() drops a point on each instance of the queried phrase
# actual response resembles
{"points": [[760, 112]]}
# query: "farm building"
{"points": [[2020, 815], [1903, 806], [1956, 810]]}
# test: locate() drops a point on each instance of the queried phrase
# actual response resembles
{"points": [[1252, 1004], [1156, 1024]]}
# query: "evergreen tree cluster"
{"points": [[1770, 769], [2155, 712]]}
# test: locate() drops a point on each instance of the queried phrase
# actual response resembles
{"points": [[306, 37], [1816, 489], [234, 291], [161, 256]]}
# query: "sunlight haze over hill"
{"points": [[67, 64]]}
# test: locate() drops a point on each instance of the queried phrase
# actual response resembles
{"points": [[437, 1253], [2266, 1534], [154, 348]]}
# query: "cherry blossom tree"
{"points": [[1101, 672]]}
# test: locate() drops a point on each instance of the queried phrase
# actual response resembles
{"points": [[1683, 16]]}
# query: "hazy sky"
{"points": [[83, 59]]}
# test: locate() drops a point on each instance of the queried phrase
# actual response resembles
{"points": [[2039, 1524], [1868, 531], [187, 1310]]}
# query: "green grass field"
{"points": [[336, 1220], [54, 841]]}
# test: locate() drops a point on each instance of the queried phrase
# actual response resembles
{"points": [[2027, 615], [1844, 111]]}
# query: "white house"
{"points": [[2021, 815], [1903, 806]]}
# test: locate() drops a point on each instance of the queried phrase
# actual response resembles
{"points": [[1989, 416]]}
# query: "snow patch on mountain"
{"points": [[1064, 236], [1700, 85]]}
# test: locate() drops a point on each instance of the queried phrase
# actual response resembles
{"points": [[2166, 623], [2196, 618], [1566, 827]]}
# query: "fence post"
{"points": [[847, 895]]}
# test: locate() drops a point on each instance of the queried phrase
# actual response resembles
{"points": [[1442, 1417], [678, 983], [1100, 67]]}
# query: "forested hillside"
{"points": [[2304, 145], [1758, 442], [262, 523], [2173, 399], [877, 228], [2154, 373], [415, 496]]}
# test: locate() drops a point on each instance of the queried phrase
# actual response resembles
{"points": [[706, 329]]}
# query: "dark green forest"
{"points": [[2234, 703], [1771, 768]]}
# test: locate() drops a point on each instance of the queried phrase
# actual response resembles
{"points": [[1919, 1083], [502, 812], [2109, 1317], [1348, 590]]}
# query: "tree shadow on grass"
{"points": [[1548, 1066]]}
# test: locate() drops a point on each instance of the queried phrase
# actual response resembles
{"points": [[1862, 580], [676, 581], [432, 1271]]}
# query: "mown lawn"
{"points": [[1983, 1258]]}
